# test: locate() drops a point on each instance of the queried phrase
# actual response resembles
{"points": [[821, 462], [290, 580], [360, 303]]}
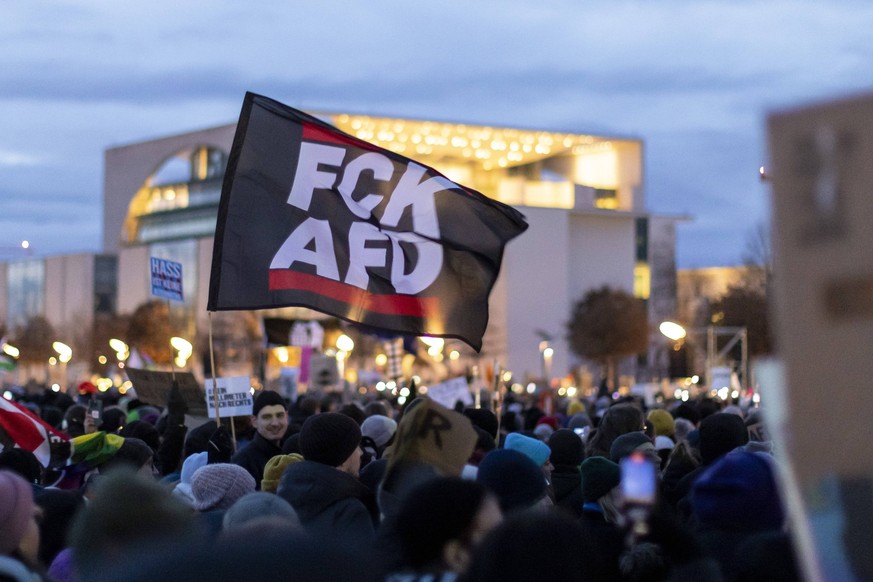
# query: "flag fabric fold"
{"points": [[313, 217], [19, 427]]}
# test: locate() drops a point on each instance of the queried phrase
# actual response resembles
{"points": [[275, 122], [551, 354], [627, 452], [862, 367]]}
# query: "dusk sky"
{"points": [[694, 79]]}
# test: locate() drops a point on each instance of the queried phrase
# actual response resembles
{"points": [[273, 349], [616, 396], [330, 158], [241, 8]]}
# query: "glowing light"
{"points": [[282, 355], [548, 352], [507, 376], [677, 394], [104, 384], [735, 394], [531, 388], [454, 355], [562, 391], [404, 391], [102, 359], [65, 352], [695, 379], [56, 387], [433, 342], [401, 401], [672, 330], [25, 244], [11, 351], [345, 343], [723, 393], [756, 398], [182, 345], [381, 359], [571, 391], [8, 395], [380, 386], [53, 361], [517, 388], [685, 396], [118, 346]]}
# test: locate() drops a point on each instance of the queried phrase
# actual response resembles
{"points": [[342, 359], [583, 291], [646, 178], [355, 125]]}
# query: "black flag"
{"points": [[313, 217]]}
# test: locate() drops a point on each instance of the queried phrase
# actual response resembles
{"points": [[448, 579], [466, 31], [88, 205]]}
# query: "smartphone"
{"points": [[638, 479], [95, 409]]}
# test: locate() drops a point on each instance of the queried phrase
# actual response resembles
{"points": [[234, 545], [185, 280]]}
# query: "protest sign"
{"points": [[166, 279], [153, 386], [234, 396], [450, 392]]}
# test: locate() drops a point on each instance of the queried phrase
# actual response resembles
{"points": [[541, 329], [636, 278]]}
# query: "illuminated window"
{"points": [[642, 280]]}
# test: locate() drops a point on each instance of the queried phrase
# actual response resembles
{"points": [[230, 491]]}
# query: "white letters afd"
{"points": [[316, 234]]}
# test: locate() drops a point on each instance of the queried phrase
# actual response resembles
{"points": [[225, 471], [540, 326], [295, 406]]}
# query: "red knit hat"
{"points": [[16, 510]]}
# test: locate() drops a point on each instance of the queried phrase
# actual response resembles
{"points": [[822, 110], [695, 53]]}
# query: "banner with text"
{"points": [[311, 216]]}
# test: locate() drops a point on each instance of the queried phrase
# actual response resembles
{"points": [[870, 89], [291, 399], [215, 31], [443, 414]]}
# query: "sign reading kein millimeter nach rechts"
{"points": [[313, 217], [166, 279]]}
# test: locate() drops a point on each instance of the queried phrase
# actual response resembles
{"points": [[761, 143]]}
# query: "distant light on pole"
{"points": [[184, 348], [65, 352], [25, 244], [345, 343], [672, 330], [118, 346], [11, 351]]}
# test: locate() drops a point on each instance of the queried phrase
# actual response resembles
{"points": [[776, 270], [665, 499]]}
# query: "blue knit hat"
{"points": [[513, 477], [739, 493], [534, 449]]}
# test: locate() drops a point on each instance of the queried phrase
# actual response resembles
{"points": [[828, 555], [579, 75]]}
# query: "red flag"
{"points": [[20, 428]]}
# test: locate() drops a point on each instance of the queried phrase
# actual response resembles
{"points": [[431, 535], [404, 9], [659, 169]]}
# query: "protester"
{"points": [[270, 419], [323, 488], [618, 420], [516, 480], [19, 532], [259, 509], [274, 470], [567, 454], [439, 524]]}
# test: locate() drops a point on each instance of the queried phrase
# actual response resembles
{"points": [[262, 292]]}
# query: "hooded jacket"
{"points": [[329, 502]]}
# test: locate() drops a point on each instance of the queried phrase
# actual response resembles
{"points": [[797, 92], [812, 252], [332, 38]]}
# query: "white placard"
{"points": [[450, 392], [234, 396]]}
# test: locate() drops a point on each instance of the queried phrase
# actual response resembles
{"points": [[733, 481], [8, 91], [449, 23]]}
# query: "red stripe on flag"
{"points": [[315, 133], [410, 305]]}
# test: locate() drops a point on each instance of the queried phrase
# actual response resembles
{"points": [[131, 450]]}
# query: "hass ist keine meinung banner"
{"points": [[311, 216]]}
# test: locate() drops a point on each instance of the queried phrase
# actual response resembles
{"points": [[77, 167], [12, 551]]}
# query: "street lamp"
{"points": [[65, 354], [184, 349], [714, 356], [344, 346]]}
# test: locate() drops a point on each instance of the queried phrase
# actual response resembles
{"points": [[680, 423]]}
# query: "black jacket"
{"points": [[254, 456], [329, 502]]}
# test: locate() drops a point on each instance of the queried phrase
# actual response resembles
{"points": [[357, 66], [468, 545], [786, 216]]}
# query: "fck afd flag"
{"points": [[313, 217], [20, 428]]}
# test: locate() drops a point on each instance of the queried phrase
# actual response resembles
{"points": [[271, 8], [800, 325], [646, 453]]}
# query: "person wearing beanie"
{"points": [[274, 469], [270, 419], [431, 441], [259, 507], [189, 467], [515, 479], [632, 442], [484, 419], [567, 454], [381, 430], [218, 486], [600, 479], [720, 433], [19, 532], [535, 449], [662, 421], [735, 498], [324, 488]]}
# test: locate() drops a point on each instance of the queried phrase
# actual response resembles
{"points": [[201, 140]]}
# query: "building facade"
{"points": [[582, 195]]}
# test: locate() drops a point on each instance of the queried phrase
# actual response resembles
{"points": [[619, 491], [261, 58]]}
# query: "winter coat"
{"points": [[567, 487], [328, 501], [254, 456]]}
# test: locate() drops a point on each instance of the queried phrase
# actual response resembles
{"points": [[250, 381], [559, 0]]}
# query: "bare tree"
{"points": [[608, 324]]}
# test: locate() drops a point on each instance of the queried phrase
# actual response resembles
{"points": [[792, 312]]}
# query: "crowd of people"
{"points": [[317, 489]]}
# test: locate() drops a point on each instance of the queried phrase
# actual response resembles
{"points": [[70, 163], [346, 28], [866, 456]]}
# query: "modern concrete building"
{"points": [[583, 195]]}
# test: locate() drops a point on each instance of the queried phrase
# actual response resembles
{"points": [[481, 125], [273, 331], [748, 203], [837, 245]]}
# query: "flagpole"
{"points": [[172, 355], [215, 385]]}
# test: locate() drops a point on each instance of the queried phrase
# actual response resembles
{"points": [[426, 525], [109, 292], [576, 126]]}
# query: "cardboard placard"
{"points": [[450, 391], [152, 387]]}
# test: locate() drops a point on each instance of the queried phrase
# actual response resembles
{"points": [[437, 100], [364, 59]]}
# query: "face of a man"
{"points": [[271, 422]]}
